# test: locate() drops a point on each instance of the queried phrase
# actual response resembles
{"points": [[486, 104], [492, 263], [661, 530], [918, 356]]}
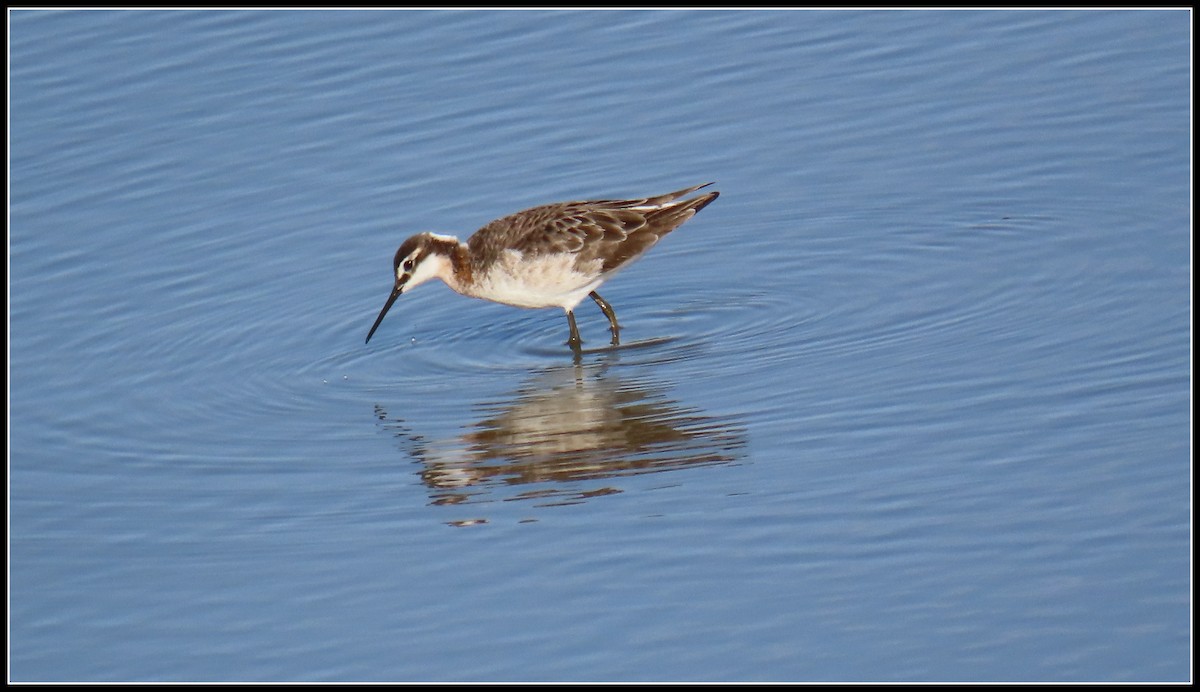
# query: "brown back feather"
{"points": [[611, 231]]}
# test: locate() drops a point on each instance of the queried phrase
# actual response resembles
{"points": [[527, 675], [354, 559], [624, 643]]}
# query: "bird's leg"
{"points": [[612, 317], [574, 341]]}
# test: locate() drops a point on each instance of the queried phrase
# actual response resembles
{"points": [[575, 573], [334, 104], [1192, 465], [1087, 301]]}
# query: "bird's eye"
{"points": [[408, 265]]}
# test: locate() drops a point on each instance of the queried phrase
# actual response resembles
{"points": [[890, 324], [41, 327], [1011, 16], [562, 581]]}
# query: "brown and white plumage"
{"points": [[553, 255]]}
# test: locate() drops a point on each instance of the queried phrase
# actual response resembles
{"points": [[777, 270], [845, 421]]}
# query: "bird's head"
{"points": [[419, 259]]}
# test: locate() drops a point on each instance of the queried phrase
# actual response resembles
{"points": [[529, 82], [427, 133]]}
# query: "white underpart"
{"points": [[540, 282]]}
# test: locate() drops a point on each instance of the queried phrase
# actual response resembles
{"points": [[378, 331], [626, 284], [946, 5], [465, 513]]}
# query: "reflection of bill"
{"points": [[564, 429]]}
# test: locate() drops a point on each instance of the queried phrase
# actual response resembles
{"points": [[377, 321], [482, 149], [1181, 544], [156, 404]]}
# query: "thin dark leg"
{"points": [[612, 317], [574, 342]]}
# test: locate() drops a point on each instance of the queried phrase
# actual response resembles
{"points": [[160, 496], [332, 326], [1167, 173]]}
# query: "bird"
{"points": [[553, 255]]}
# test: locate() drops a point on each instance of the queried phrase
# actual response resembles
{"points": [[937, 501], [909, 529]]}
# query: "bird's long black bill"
{"points": [[386, 306]]}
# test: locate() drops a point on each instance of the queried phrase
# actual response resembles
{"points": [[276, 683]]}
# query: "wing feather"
{"points": [[612, 232]]}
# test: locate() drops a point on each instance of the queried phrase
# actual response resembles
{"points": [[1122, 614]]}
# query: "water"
{"points": [[910, 401]]}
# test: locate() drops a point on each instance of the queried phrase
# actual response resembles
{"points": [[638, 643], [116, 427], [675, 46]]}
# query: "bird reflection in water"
{"points": [[562, 434]]}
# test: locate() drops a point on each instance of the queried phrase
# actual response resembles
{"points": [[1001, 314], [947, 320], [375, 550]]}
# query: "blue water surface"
{"points": [[909, 402]]}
